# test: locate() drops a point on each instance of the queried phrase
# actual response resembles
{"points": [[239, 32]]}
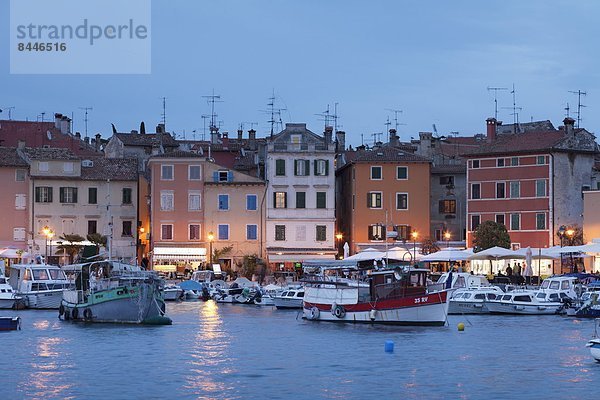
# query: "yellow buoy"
{"points": [[461, 327]]}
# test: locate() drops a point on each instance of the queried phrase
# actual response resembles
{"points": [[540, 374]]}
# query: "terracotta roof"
{"points": [[117, 169], [178, 154], [10, 158], [383, 154], [147, 139], [520, 143], [49, 154], [535, 126]]}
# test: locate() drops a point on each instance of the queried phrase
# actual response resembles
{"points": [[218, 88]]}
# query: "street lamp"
{"points": [[338, 238], [414, 235], [447, 237], [561, 234], [211, 236], [47, 232], [570, 232], [50, 236]]}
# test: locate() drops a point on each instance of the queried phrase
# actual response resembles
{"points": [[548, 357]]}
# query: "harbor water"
{"points": [[224, 351]]}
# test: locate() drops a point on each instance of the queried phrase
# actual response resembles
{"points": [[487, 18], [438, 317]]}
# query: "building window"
{"points": [[321, 233], [223, 232], [475, 191], [166, 200], [500, 219], [92, 227], [447, 180], [92, 195], [515, 222], [194, 173], [301, 167], [475, 164], [20, 175], [194, 232], [279, 232], [43, 166], [68, 167], [127, 231], [540, 221], [541, 160], [514, 161], [515, 190], [403, 232], [19, 235], [251, 232], [447, 206], [300, 233], [68, 195], [401, 201], [321, 199], [166, 232], [43, 194], [475, 221], [223, 202], [224, 176], [127, 195], [166, 172], [194, 201], [374, 199], [376, 173], [280, 200], [321, 167], [376, 232], [20, 201], [251, 202], [500, 190], [402, 173], [540, 188], [68, 225], [300, 199], [280, 167], [500, 162]]}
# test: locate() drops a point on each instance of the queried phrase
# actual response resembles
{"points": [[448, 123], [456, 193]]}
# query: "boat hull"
{"points": [[7, 303], [467, 307], [10, 323], [48, 299], [496, 307], [594, 346], [287, 303], [172, 295]]}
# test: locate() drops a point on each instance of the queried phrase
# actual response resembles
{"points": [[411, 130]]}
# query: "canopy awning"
{"points": [[180, 253]]}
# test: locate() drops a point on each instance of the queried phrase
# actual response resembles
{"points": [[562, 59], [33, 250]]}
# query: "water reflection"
{"points": [[47, 378]]}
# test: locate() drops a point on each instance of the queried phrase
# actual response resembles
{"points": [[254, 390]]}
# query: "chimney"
{"points": [[86, 140], [394, 139], [252, 139], [569, 125], [225, 139], [240, 134], [98, 141], [78, 135], [160, 128], [328, 134], [21, 144], [214, 135], [65, 125], [57, 119], [492, 124], [340, 137], [425, 148]]}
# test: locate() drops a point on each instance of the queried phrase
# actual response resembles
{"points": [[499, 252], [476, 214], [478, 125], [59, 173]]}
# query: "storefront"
{"points": [[178, 259], [292, 259]]}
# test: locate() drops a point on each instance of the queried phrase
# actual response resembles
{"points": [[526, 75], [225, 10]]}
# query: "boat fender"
{"points": [[87, 314], [333, 307], [75, 313], [313, 314], [61, 310], [372, 314], [339, 312]]}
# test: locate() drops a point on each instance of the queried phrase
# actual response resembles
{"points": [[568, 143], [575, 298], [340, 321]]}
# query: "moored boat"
{"points": [[289, 298], [10, 323], [473, 300], [40, 285], [8, 296], [172, 293], [594, 343], [524, 302]]}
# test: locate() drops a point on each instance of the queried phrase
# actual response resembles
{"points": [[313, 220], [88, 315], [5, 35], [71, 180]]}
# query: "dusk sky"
{"points": [[431, 59]]}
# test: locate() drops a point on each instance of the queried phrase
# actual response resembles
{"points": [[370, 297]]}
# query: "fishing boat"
{"points": [[380, 296], [111, 291], [10, 323], [594, 343], [40, 285], [289, 298]]}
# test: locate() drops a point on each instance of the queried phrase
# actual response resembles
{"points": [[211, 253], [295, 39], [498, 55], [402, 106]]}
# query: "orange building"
{"points": [[380, 193], [14, 173]]}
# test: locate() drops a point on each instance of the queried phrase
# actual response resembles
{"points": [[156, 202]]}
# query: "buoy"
{"points": [[461, 327], [389, 346]]}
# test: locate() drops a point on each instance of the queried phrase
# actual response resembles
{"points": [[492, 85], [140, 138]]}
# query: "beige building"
{"points": [[591, 225]]}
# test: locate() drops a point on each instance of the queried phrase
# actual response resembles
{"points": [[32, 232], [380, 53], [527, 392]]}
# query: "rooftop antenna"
{"points": [[362, 139], [204, 118], [396, 112], [388, 124], [212, 99], [495, 89], [515, 109], [85, 119], [376, 137], [325, 116], [42, 114], [567, 110], [9, 112], [579, 93], [274, 112], [335, 117], [164, 113], [252, 124]]}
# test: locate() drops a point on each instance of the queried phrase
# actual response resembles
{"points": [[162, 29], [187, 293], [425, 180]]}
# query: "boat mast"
{"points": [[110, 222]]}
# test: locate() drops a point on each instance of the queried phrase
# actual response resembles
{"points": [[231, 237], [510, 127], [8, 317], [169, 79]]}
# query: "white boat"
{"points": [[397, 296], [172, 293], [594, 343], [473, 300], [40, 285], [8, 296], [523, 302], [290, 298]]}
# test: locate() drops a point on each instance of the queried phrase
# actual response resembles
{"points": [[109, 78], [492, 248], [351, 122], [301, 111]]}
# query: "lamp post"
{"points": [[211, 236], [338, 238], [414, 235], [570, 232], [561, 234], [447, 237], [50, 236]]}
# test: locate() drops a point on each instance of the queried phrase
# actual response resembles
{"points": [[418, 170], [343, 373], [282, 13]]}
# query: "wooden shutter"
{"points": [[62, 194], [295, 167], [326, 167], [75, 195]]}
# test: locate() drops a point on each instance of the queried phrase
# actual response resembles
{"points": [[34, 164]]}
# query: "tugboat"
{"points": [[111, 291]]}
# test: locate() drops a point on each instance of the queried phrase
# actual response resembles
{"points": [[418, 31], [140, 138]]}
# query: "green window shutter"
{"points": [[295, 167], [326, 167], [50, 194], [74, 195], [61, 194], [307, 167], [315, 164], [38, 194]]}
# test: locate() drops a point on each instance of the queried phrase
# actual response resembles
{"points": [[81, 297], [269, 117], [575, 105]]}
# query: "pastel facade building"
{"points": [[14, 200]]}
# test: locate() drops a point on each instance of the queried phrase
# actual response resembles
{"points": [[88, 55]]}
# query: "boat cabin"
{"points": [[27, 278], [398, 283]]}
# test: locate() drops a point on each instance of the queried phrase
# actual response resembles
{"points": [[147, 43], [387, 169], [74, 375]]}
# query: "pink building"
{"points": [[14, 175]]}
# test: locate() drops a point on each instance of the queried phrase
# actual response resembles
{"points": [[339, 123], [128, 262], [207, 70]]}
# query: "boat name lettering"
{"points": [[421, 300]]}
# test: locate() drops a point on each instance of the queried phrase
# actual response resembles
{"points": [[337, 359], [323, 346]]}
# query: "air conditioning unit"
{"points": [[87, 163]]}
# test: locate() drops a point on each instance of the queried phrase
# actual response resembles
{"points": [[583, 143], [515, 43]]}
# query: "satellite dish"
{"points": [[49, 134]]}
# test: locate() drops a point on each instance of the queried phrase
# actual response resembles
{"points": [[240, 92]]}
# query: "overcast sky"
{"points": [[431, 59]]}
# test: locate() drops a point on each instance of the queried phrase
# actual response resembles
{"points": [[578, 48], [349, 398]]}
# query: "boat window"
{"points": [[467, 295], [480, 296], [284, 294], [40, 274], [565, 285], [3, 290], [563, 296], [541, 295], [460, 282], [27, 276], [300, 294], [290, 294], [507, 297], [491, 296], [526, 299], [545, 284], [457, 296], [57, 275], [554, 297], [554, 285]]}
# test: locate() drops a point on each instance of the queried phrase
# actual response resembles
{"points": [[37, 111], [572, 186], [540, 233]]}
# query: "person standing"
{"points": [[518, 269]]}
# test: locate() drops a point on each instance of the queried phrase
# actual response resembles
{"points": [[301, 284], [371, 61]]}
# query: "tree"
{"points": [[576, 239], [98, 240], [71, 244], [429, 246], [489, 234]]}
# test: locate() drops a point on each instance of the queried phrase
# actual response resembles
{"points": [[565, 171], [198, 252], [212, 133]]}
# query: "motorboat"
{"points": [[111, 291], [172, 292], [458, 280], [8, 296], [289, 298], [594, 343], [40, 285], [380, 296], [524, 302], [194, 290], [590, 302], [10, 323], [473, 300]]}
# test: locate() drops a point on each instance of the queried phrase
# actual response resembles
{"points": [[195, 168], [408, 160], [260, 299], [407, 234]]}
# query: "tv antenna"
{"points": [[9, 111], [204, 118], [496, 89], [387, 124], [164, 113], [376, 137], [335, 117], [396, 112], [515, 109], [85, 119], [212, 99], [252, 124], [579, 93], [42, 116], [275, 113], [567, 110]]}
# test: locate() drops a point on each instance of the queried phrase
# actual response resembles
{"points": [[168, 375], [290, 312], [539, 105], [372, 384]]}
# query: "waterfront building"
{"points": [[300, 204], [14, 196], [530, 180], [591, 224], [382, 193]]}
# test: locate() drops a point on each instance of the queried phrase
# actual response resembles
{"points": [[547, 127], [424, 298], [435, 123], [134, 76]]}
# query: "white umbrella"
{"points": [[346, 250], [446, 255], [539, 254], [528, 262], [495, 253], [13, 253], [366, 255]]}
